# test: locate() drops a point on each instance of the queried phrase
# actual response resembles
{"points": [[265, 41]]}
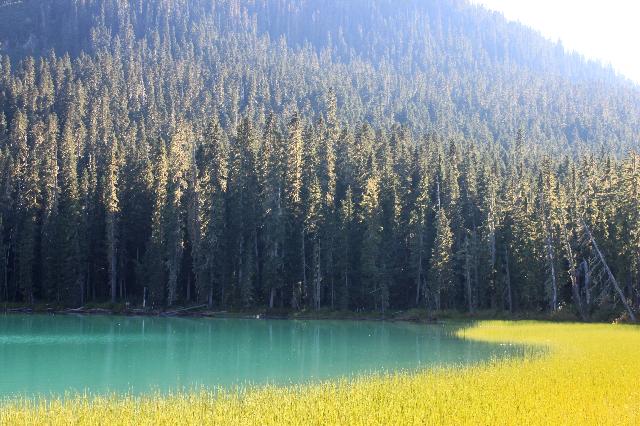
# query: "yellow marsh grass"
{"points": [[591, 375]]}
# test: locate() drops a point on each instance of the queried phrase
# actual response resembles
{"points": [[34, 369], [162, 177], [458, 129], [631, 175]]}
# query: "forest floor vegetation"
{"points": [[603, 314]]}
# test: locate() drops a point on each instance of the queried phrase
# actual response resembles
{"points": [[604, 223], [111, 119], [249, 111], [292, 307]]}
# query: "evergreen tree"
{"points": [[153, 269], [4, 265], [312, 225], [178, 160], [418, 233], [271, 175], [66, 222], [213, 185], [241, 210], [371, 237], [295, 252], [345, 250], [112, 208], [50, 193], [440, 264]]}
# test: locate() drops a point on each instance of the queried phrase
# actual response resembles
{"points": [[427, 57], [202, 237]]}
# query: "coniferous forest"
{"points": [[309, 154]]}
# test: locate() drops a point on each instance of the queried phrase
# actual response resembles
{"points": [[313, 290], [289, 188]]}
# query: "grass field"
{"points": [[589, 375]]}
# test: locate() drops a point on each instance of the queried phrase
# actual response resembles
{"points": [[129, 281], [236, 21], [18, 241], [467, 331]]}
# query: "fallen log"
{"points": [[179, 311]]}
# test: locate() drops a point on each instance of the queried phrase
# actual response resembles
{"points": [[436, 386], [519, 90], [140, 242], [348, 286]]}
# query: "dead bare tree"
{"points": [[603, 273]]}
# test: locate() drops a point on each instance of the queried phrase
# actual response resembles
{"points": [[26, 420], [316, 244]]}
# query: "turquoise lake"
{"points": [[51, 355]]}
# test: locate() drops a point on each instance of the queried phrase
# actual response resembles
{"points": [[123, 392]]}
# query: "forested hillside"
{"points": [[370, 154]]}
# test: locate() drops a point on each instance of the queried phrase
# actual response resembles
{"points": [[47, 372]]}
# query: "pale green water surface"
{"points": [[46, 354]]}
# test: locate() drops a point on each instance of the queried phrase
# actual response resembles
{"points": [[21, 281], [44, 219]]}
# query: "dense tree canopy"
{"points": [[307, 154]]}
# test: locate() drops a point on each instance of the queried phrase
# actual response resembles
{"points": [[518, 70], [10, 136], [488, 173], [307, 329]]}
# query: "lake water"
{"points": [[44, 355]]}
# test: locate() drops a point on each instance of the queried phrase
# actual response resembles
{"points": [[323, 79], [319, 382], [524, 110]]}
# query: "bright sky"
{"points": [[607, 30]]}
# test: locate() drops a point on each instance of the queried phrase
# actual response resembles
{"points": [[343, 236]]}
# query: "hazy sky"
{"points": [[608, 30]]}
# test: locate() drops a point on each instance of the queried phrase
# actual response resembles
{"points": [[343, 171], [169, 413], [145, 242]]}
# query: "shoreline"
{"points": [[201, 311], [258, 314]]}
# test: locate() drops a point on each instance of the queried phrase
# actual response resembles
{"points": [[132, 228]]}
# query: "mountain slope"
{"points": [[437, 66]]}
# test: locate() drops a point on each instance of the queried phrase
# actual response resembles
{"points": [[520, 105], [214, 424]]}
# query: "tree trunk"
{"points": [[476, 263], [587, 283], [5, 278], [419, 270], [333, 293], [612, 279], [493, 272], [272, 295], [304, 265], [467, 276], [508, 280], [317, 279], [331, 269], [575, 287], [552, 272], [240, 274], [573, 274], [112, 259]]}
